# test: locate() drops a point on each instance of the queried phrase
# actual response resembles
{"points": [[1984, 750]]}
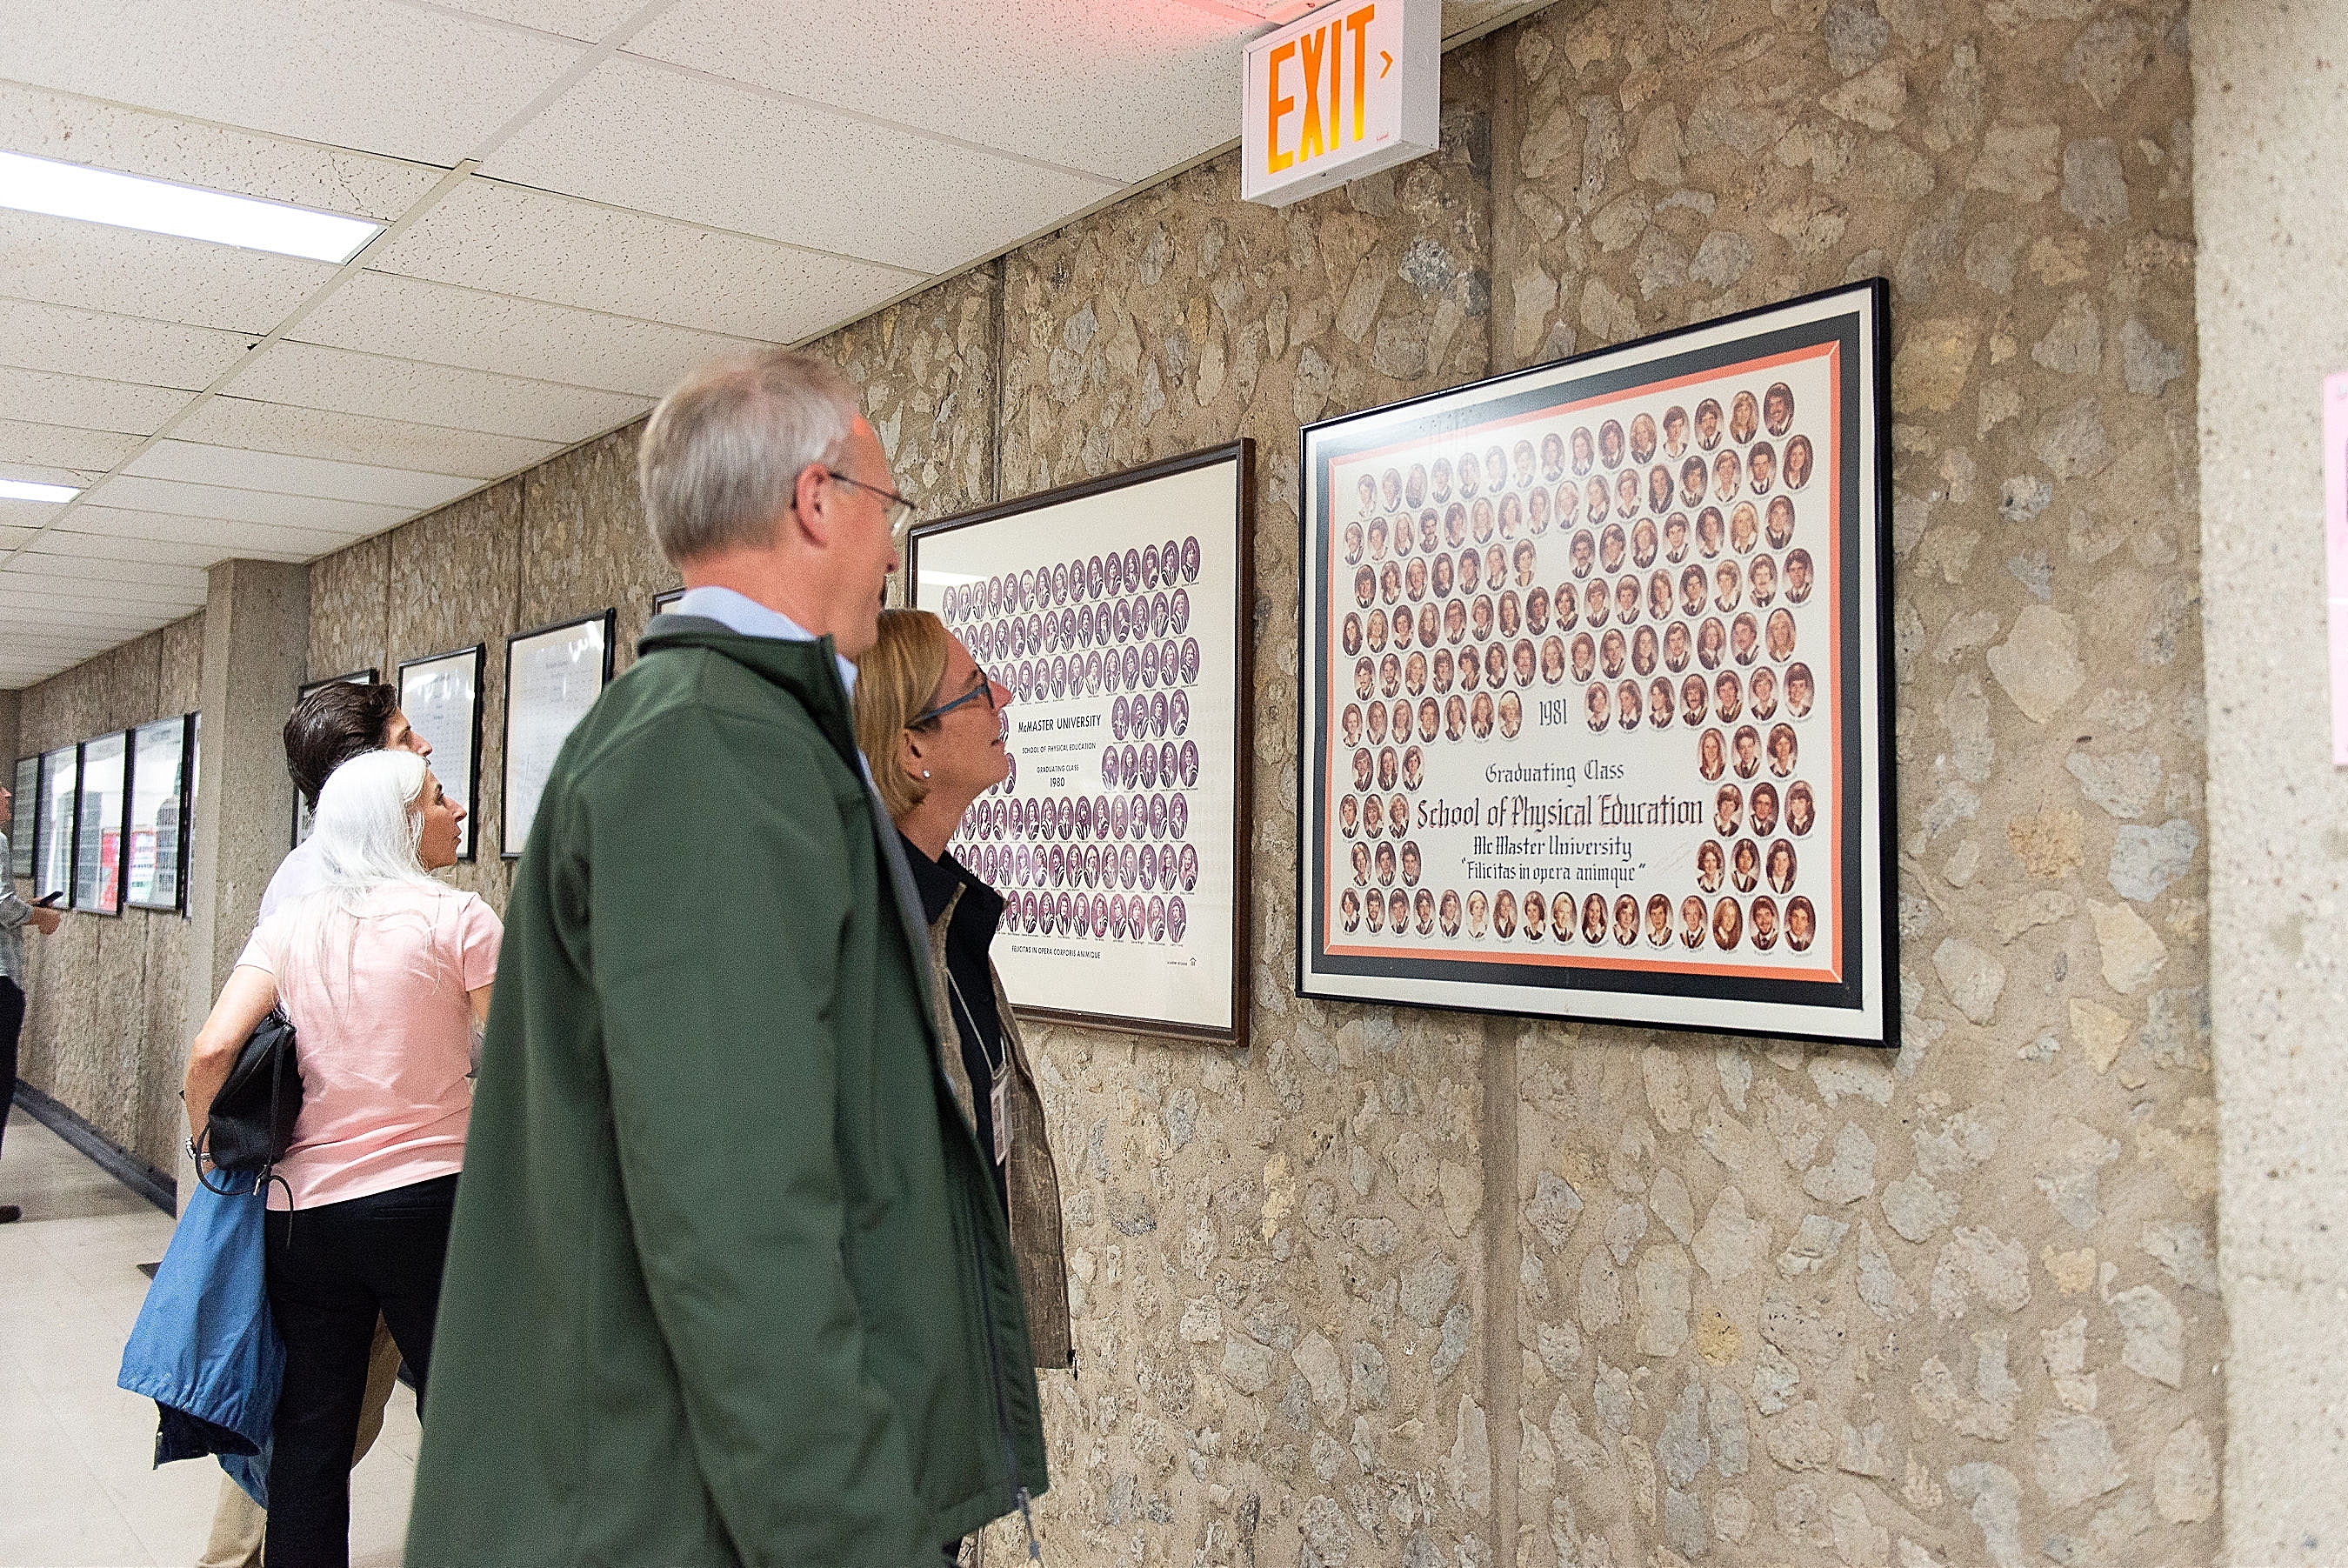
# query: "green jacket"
{"points": [[728, 1283]]}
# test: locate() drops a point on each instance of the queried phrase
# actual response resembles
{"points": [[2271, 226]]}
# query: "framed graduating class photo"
{"points": [[159, 774], [1116, 612], [1597, 703], [441, 695], [366, 676], [554, 675]]}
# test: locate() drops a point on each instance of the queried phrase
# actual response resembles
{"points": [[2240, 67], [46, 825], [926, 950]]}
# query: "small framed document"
{"points": [[101, 823], [1596, 696], [27, 812], [554, 675], [441, 695], [1117, 613], [366, 676], [158, 815], [663, 602], [53, 826]]}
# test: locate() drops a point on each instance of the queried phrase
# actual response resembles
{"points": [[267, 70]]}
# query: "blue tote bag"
{"points": [[205, 1348]]}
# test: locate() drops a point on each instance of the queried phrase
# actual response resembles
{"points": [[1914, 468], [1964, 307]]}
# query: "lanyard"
{"points": [[998, 1088]]}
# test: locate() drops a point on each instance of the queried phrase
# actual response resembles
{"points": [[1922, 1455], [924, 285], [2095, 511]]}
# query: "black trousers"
{"points": [[11, 1024], [331, 1270]]}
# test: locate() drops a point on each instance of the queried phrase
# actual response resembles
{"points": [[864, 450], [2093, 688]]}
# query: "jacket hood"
{"points": [[808, 671]]}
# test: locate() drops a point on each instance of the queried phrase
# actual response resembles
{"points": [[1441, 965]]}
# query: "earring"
{"points": [[925, 773]]}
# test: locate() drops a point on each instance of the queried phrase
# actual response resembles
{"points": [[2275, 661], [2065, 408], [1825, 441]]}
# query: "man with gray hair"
{"points": [[728, 1282]]}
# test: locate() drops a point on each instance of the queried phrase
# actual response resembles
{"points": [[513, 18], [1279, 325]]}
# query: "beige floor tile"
{"points": [[79, 1451]]}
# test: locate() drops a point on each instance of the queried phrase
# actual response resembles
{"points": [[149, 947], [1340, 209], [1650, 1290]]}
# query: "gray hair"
{"points": [[724, 451]]}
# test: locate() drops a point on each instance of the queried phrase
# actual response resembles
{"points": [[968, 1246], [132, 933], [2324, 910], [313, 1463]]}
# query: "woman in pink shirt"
{"points": [[385, 975]]}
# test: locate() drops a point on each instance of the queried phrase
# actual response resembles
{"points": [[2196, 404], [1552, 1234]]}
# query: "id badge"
{"points": [[998, 1099]]}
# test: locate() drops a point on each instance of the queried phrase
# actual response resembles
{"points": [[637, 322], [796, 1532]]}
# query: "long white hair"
{"points": [[370, 823]]}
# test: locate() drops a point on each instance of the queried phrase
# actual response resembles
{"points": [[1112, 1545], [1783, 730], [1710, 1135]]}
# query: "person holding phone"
{"points": [[15, 914]]}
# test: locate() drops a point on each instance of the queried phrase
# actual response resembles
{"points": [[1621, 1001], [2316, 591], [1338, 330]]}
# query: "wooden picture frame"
{"points": [[1680, 689], [1162, 948]]}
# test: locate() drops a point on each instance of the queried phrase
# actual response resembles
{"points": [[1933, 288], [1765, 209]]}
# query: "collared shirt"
{"points": [[14, 912], [740, 613]]}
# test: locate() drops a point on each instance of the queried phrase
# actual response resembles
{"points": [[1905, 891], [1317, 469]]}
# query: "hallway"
{"points": [[78, 1449]]}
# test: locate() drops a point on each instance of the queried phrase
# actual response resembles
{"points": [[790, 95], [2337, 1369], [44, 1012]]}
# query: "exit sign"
{"points": [[1354, 88]]}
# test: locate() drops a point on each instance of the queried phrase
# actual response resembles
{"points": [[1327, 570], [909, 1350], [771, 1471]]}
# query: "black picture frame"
{"points": [[449, 735], [1834, 345], [53, 872], [1212, 493], [370, 675], [97, 865], [661, 601], [24, 815], [168, 835], [537, 757]]}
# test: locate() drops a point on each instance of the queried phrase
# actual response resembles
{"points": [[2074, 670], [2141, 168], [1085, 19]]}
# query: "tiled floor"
{"points": [[79, 1452]]}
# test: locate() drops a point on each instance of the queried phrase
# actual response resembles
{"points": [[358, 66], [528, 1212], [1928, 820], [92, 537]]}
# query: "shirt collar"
{"points": [[740, 613]]}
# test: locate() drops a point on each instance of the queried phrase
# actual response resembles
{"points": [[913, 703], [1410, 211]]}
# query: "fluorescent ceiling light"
{"points": [[158, 207], [26, 490]]}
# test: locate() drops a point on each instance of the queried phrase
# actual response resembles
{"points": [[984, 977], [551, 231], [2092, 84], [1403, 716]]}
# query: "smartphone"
{"points": [[51, 901]]}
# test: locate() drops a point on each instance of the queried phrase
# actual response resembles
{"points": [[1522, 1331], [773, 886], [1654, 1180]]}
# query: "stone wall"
{"points": [[103, 1022], [1426, 1289]]}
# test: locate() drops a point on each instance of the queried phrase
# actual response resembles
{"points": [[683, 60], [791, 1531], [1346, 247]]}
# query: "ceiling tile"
{"points": [[215, 539], [225, 421], [217, 157], [76, 543], [507, 239], [432, 393], [10, 535], [47, 396], [30, 614], [172, 579], [637, 135], [115, 347], [375, 313], [62, 446], [400, 80], [94, 266], [1042, 78], [30, 513], [41, 474], [584, 19], [36, 600], [351, 518], [293, 476]]}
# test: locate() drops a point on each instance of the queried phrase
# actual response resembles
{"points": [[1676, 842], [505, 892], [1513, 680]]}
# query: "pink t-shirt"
{"points": [[383, 1030]]}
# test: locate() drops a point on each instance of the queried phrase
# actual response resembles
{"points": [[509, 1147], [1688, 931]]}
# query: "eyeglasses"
{"points": [[983, 689], [900, 510]]}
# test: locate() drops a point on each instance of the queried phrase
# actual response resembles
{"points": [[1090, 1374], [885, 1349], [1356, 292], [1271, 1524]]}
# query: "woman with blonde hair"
{"points": [[385, 973], [930, 725]]}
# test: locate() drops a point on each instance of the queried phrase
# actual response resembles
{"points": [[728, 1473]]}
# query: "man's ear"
{"points": [[809, 499]]}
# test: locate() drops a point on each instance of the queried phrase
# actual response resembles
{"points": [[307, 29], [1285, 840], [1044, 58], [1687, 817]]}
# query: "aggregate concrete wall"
{"points": [[102, 1023], [1426, 1288], [2270, 98]]}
